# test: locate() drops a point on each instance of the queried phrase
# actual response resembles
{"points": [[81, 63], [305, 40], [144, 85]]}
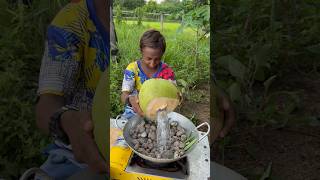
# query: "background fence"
{"points": [[161, 17]]}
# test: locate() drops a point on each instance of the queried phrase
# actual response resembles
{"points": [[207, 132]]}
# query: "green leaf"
{"points": [[314, 48], [285, 101], [197, 18], [183, 90], [268, 83], [314, 121], [189, 144], [182, 82], [223, 61], [260, 74], [235, 91], [261, 55], [234, 66], [267, 172]]}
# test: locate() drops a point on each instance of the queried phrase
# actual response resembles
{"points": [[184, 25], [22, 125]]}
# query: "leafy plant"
{"points": [[198, 20], [118, 14], [139, 12], [254, 46], [23, 30]]}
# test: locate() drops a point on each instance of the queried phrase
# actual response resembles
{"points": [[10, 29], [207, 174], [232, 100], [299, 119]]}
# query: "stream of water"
{"points": [[163, 132]]}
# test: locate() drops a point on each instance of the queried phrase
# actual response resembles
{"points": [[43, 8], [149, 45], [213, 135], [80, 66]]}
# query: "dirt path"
{"points": [[294, 152]]}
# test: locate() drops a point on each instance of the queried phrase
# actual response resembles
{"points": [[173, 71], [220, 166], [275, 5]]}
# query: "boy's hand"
{"points": [[228, 115], [223, 115], [79, 128], [134, 101]]}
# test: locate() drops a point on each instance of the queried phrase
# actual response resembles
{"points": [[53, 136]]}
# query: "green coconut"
{"points": [[158, 94], [100, 114]]}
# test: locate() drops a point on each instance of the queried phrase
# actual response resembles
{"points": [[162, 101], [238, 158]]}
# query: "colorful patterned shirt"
{"points": [[134, 76], [76, 54]]}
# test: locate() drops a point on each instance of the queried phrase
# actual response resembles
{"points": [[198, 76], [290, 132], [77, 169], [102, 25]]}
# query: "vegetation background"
{"points": [[23, 29], [266, 57]]}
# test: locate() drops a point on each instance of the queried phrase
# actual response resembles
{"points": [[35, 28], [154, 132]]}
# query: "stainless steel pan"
{"points": [[183, 121]]}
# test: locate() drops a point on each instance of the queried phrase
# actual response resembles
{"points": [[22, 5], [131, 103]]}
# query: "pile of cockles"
{"points": [[144, 139]]}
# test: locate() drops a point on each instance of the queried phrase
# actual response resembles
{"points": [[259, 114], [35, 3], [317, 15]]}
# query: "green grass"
{"points": [[180, 55], [169, 27]]}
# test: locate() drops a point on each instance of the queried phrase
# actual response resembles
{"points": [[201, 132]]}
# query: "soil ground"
{"points": [[199, 107], [293, 150]]}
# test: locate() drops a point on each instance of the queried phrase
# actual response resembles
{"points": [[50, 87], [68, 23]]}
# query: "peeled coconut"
{"points": [[158, 94]]}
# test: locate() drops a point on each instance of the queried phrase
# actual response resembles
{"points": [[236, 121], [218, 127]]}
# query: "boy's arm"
{"points": [[128, 82], [124, 96], [128, 86], [222, 114], [57, 78], [227, 108], [47, 105], [77, 125]]}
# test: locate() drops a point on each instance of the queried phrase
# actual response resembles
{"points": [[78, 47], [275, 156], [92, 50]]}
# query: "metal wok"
{"points": [[173, 116]]}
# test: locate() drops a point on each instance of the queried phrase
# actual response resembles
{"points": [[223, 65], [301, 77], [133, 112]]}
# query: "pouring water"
{"points": [[163, 133]]}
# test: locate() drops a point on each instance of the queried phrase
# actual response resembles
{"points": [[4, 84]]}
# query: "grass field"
{"points": [[168, 26], [180, 55]]}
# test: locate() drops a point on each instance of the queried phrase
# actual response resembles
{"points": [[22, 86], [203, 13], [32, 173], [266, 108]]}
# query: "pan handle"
{"points": [[119, 118], [206, 134]]}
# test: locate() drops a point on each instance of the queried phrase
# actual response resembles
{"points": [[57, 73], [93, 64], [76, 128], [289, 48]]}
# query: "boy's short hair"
{"points": [[153, 39]]}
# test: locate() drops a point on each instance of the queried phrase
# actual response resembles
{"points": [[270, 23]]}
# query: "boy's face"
{"points": [[151, 57]]}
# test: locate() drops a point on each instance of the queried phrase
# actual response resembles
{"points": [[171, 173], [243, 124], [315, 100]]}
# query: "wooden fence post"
{"points": [[161, 20]]}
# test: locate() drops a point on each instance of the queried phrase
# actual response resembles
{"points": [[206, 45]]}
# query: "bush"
{"points": [[23, 29]]}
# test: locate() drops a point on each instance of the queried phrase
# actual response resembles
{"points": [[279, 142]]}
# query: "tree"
{"points": [[198, 20], [129, 4], [151, 6], [139, 12], [171, 1]]}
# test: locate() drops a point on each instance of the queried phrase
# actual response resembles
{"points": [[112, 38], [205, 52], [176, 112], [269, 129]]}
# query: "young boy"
{"points": [[152, 48]]}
